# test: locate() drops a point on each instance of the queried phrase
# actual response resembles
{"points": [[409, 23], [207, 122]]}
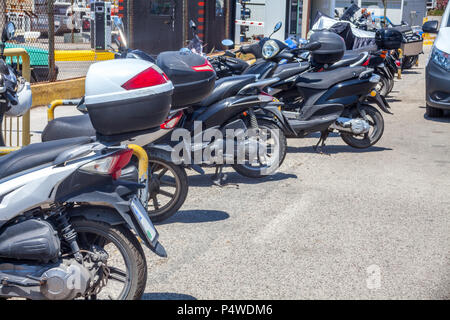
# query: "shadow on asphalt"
{"points": [[410, 72], [330, 149], [196, 216], [233, 179], [392, 100], [167, 296]]}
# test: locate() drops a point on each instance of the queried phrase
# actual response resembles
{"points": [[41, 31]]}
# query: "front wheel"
{"points": [[376, 130], [268, 159], [383, 86], [391, 85]]}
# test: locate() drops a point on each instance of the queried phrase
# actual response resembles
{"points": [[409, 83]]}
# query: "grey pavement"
{"points": [[322, 224]]}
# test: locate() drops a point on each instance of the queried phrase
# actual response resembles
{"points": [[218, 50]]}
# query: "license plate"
{"points": [[144, 221]]}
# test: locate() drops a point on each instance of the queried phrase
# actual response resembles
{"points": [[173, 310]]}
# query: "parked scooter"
{"points": [[315, 101], [168, 186], [68, 222], [381, 61], [348, 89], [233, 102], [228, 64]]}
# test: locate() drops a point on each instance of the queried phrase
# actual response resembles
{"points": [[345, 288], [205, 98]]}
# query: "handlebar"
{"points": [[258, 85], [360, 61]]}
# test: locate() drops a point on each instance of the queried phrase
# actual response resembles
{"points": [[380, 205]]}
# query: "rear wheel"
{"points": [[409, 62], [434, 112], [376, 130], [270, 159], [168, 188]]}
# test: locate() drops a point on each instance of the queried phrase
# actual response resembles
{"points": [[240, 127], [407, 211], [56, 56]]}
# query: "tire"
{"points": [[383, 86], [256, 173], [409, 62], [434, 112], [159, 187], [127, 244], [369, 139], [391, 85]]}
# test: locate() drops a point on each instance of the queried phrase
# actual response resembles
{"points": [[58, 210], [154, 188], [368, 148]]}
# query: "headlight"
{"points": [[270, 49], [441, 58]]}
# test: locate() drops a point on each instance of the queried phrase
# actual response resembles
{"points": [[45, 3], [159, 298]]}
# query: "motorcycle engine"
{"points": [[359, 126], [355, 126], [65, 282]]}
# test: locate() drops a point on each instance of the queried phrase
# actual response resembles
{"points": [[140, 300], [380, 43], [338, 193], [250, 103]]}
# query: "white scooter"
{"points": [[69, 226]]}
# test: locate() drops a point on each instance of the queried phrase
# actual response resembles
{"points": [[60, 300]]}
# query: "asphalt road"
{"points": [[355, 224]]}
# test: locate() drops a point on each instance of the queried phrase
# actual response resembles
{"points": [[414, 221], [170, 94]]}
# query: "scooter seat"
{"points": [[37, 154], [348, 59], [327, 79], [227, 87], [68, 127], [288, 70]]}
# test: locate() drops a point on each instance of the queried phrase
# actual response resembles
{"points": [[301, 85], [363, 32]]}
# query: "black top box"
{"points": [[191, 74], [332, 47], [389, 39]]}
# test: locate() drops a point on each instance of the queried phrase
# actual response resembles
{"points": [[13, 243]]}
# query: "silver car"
{"points": [[438, 67]]}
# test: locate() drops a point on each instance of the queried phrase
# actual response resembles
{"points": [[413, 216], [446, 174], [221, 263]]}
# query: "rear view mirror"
{"points": [[8, 31], [277, 26], [117, 21], [336, 13], [431, 26], [312, 46], [227, 43], [192, 25]]}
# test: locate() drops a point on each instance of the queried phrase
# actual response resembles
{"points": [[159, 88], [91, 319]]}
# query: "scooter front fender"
{"points": [[380, 101], [274, 113], [123, 212]]}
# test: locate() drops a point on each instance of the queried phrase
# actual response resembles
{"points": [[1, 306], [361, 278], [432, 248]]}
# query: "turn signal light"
{"points": [[147, 78], [172, 121], [204, 67], [111, 165]]}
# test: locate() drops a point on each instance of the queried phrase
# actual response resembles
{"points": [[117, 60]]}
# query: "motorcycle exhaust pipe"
{"points": [[354, 126]]}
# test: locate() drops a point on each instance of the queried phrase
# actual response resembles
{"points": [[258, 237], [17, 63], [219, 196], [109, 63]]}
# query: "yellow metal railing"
{"points": [[60, 102], [13, 126]]}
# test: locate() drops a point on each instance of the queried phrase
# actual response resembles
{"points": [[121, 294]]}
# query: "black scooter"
{"points": [[306, 94], [234, 103]]}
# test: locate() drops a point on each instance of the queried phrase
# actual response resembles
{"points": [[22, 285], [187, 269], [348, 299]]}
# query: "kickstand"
{"points": [[321, 143], [219, 178]]}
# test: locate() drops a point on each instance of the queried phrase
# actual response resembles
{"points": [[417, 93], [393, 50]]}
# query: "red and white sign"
{"points": [[250, 23]]}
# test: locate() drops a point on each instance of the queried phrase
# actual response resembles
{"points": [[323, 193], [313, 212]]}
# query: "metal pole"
{"points": [[51, 40], [73, 22], [3, 10], [227, 19], [385, 12]]}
